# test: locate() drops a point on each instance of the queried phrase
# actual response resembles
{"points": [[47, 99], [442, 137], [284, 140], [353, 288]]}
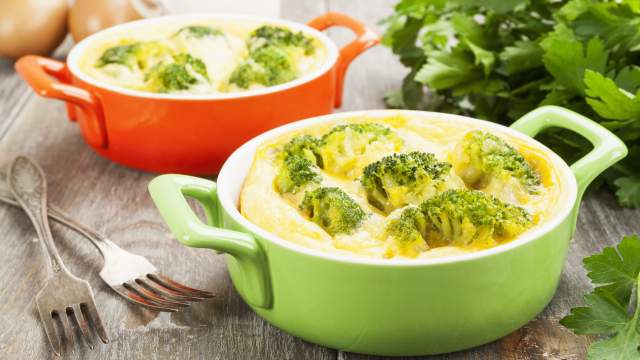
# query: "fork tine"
{"points": [[152, 297], [90, 311], [165, 292], [50, 331], [80, 320], [137, 299], [176, 286], [67, 330]]}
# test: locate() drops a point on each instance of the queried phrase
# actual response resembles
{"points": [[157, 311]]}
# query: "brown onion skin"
{"points": [[31, 26], [89, 16]]}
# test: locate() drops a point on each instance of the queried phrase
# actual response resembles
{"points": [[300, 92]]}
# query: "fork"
{"points": [[131, 276], [64, 295]]}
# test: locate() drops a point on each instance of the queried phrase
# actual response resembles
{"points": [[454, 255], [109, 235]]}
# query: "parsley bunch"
{"points": [[499, 59], [610, 309]]}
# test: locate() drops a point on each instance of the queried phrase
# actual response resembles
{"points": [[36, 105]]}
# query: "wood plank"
{"points": [[14, 92], [14, 95], [114, 200]]}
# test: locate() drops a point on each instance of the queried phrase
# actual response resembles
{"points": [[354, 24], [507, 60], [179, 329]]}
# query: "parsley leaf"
{"points": [[609, 101], [521, 56], [567, 61], [444, 70], [628, 192], [616, 271]]}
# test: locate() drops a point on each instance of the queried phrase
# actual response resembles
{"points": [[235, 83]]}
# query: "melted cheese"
{"points": [[264, 206], [220, 54]]}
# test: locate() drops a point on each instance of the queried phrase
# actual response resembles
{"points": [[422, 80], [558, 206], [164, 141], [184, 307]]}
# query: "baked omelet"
{"points": [[400, 187], [203, 57]]}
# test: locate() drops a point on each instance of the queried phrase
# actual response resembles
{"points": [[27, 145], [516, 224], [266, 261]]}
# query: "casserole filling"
{"points": [[203, 57], [400, 187]]}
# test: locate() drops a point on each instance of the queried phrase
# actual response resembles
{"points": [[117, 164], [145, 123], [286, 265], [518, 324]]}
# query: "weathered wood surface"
{"points": [[114, 200]]}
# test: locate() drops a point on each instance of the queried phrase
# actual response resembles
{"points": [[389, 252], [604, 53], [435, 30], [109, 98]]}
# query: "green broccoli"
{"points": [[305, 146], [408, 231], [461, 217], [268, 66], [184, 72], [481, 158], [400, 179], [135, 55], [124, 55], [199, 31], [299, 162], [296, 171], [333, 210], [343, 146], [280, 37]]}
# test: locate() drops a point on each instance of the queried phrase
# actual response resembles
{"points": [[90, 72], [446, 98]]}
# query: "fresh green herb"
{"points": [[610, 309], [498, 60]]}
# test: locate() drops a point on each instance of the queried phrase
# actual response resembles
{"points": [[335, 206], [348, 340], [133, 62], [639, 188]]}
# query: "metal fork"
{"points": [[131, 276], [64, 295]]}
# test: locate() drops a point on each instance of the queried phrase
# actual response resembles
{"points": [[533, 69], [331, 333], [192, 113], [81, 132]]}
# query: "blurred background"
{"points": [[41, 26]]}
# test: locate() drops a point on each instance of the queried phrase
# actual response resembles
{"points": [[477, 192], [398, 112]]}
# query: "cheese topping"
{"points": [[283, 209], [205, 57]]}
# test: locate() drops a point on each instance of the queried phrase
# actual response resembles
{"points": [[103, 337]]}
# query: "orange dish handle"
{"points": [[37, 72], [365, 38]]}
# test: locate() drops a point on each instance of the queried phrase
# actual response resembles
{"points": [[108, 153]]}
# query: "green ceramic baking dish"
{"points": [[392, 306]]}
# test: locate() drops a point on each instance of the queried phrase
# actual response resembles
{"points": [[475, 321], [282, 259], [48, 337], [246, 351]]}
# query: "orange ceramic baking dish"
{"points": [[191, 134]]}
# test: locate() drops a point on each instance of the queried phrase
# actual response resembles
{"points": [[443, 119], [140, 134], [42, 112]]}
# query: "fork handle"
{"points": [[28, 185], [98, 240]]}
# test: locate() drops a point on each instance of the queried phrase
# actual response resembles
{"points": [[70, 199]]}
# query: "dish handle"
{"points": [[169, 194], [607, 148], [365, 38], [37, 72]]}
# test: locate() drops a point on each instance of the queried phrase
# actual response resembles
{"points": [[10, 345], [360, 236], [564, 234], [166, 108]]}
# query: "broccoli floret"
{"points": [[193, 62], [305, 146], [266, 66], [138, 54], [400, 179], [281, 37], [299, 162], [199, 31], [170, 77], [333, 210], [481, 158], [124, 55], [345, 145], [461, 217], [296, 171], [184, 72], [408, 231]]}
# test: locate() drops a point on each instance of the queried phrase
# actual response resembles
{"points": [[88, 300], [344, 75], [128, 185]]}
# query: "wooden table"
{"points": [[114, 200]]}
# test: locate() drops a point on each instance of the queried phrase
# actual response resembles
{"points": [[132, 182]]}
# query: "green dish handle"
{"points": [[607, 148], [169, 194]]}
